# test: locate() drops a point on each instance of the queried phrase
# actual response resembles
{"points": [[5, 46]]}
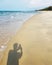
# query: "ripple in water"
{"points": [[10, 23]]}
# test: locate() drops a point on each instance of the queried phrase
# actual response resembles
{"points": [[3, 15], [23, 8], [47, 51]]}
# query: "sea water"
{"points": [[10, 23]]}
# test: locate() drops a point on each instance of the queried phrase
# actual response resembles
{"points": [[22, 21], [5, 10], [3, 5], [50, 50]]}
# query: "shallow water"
{"points": [[10, 22]]}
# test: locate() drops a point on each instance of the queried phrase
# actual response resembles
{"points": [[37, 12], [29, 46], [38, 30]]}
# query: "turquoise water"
{"points": [[10, 23]]}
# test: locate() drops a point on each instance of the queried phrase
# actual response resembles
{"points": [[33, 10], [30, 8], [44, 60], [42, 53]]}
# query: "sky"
{"points": [[24, 4]]}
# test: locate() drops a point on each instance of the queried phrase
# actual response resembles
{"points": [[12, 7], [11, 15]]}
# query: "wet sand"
{"points": [[35, 37]]}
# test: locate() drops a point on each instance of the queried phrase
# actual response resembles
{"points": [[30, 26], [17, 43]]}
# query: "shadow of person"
{"points": [[14, 55]]}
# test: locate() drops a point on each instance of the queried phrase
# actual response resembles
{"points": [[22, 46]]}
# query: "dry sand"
{"points": [[35, 37]]}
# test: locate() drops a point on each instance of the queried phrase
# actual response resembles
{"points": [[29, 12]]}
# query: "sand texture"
{"points": [[35, 37]]}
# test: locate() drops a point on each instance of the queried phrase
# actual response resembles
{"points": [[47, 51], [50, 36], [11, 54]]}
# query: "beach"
{"points": [[35, 37], [10, 23]]}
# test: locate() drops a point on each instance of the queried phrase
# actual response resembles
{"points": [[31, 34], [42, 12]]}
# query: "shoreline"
{"points": [[35, 37], [18, 30], [3, 47]]}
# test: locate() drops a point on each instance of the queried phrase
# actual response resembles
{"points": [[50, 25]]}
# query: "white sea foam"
{"points": [[9, 25], [2, 48]]}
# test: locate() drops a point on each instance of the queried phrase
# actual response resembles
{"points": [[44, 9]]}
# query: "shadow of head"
{"points": [[15, 46]]}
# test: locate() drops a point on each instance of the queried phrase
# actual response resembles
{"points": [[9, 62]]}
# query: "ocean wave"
{"points": [[11, 22]]}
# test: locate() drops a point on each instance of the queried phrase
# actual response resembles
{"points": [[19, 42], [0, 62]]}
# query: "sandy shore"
{"points": [[35, 37]]}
